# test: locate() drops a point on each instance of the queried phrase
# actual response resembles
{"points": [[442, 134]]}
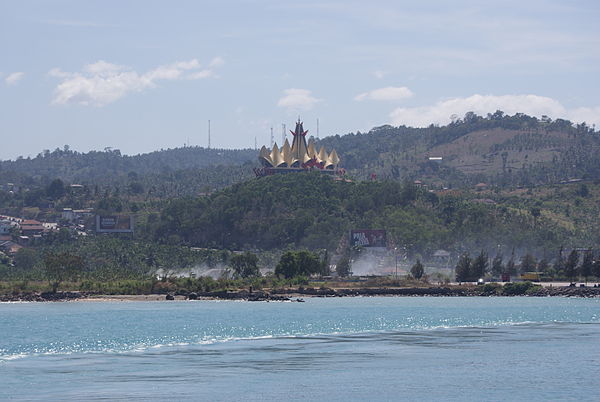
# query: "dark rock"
{"points": [[169, 296], [192, 296], [60, 296]]}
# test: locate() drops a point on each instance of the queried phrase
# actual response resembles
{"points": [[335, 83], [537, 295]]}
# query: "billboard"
{"points": [[114, 224], [368, 238]]}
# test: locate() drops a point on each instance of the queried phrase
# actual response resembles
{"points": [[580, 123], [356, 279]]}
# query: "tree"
{"points": [[511, 268], [26, 258], [463, 268], [571, 265], [559, 264], [587, 265], [245, 265], [528, 263], [61, 267], [135, 187], [56, 189], [543, 266], [343, 267], [297, 263], [479, 266], [417, 270], [497, 266], [596, 269]]}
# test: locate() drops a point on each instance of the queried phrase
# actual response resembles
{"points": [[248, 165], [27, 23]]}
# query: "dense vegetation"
{"points": [[100, 166], [108, 258], [517, 150], [314, 211]]}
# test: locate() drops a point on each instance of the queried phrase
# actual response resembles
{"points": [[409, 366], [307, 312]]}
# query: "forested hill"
{"points": [[311, 210], [499, 150], [109, 165]]}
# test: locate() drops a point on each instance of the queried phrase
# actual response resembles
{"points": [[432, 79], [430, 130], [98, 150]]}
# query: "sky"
{"points": [[146, 75]]}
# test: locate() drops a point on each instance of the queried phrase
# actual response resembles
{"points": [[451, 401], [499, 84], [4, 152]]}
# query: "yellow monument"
{"points": [[300, 156]]}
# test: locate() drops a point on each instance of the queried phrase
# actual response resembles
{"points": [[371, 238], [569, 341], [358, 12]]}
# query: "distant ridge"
{"points": [[497, 149]]}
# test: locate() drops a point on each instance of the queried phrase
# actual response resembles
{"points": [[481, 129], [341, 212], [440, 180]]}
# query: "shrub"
{"points": [[519, 288], [491, 289]]}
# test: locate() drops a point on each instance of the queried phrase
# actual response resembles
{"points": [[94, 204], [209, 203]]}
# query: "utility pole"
{"points": [[396, 256]]}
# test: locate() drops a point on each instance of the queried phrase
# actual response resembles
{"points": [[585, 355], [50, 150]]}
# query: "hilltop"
{"points": [[499, 150]]}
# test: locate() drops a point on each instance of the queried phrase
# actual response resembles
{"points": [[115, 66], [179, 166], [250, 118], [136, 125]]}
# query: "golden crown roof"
{"points": [[299, 155]]}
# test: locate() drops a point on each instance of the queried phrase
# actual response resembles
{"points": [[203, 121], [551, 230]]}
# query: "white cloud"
{"points": [[201, 74], [533, 105], [216, 62], [385, 94], [590, 115], [440, 112], [378, 74], [101, 67], [14, 78], [101, 83], [295, 99]]}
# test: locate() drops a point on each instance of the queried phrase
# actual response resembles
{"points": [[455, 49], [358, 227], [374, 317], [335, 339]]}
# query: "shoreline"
{"points": [[296, 294]]}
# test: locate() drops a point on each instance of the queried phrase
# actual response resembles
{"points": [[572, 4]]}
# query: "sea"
{"points": [[325, 349]]}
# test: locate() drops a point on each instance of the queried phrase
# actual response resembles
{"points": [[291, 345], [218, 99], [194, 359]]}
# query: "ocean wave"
{"points": [[143, 347]]}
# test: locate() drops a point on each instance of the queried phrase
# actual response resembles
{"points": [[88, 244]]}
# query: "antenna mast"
{"points": [[209, 134], [317, 128], [283, 134], [272, 138]]}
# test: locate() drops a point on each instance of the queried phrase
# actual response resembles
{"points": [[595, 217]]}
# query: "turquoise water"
{"points": [[381, 348]]}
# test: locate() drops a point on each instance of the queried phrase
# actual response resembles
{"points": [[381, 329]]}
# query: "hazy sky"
{"points": [[145, 75]]}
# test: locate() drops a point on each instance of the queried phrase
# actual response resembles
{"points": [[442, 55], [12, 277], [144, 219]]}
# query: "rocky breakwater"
{"points": [[240, 295], [42, 297], [567, 291]]}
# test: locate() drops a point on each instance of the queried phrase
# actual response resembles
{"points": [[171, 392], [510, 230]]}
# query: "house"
{"points": [[10, 247], [481, 186], [6, 225], [76, 215], [50, 226], [30, 227]]}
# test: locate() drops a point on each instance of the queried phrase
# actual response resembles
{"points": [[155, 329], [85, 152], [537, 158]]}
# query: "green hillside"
{"points": [[314, 211], [110, 166], [497, 149]]}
